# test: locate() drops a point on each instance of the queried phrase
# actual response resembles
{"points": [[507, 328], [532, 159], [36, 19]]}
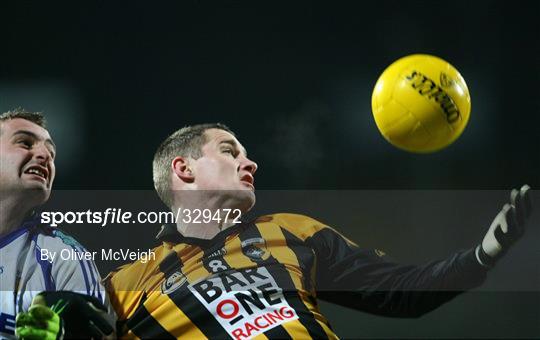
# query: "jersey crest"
{"points": [[255, 249]]}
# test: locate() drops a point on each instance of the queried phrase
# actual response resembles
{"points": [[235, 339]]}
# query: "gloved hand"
{"points": [[507, 227], [81, 316], [40, 322]]}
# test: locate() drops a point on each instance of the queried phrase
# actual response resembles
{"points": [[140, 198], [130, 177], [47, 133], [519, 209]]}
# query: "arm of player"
{"points": [[366, 280], [80, 276], [371, 283]]}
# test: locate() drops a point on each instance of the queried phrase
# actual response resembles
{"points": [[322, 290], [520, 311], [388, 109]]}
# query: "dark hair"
{"points": [[186, 142], [34, 117]]}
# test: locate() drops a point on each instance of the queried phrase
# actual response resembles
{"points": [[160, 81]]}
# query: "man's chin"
{"points": [[242, 199], [36, 193], [247, 200]]}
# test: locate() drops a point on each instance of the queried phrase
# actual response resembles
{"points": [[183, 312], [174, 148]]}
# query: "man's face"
{"points": [[26, 160], [224, 166]]}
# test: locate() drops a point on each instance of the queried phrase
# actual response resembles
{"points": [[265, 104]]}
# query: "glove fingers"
{"points": [[97, 320], [95, 331], [515, 227], [504, 219], [517, 204], [521, 202], [94, 302], [41, 312], [39, 299], [503, 238], [505, 229], [28, 333], [526, 205], [25, 319]]}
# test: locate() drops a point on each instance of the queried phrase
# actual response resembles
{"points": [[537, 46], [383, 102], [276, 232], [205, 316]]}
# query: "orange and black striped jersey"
{"points": [[262, 279]]}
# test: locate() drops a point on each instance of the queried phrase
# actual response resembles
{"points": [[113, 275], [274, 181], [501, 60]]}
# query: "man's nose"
{"points": [[249, 166], [42, 153]]}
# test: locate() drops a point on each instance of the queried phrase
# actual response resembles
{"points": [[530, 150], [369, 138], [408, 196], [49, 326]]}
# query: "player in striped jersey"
{"points": [[27, 173], [262, 277]]}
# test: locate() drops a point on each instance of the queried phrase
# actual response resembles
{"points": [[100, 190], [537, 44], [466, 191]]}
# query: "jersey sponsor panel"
{"points": [[283, 264], [245, 303]]}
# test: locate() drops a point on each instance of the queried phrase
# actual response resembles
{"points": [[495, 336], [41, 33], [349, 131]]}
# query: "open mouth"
{"points": [[38, 171]]}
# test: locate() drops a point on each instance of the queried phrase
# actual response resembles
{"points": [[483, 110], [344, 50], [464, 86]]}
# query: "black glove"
{"points": [[507, 227]]}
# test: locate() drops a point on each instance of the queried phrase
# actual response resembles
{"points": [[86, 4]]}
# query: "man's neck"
{"points": [[12, 214], [204, 221], [205, 231], [205, 213]]}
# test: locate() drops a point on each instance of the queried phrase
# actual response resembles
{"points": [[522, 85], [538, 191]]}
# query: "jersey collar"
{"points": [[25, 226], [170, 233]]}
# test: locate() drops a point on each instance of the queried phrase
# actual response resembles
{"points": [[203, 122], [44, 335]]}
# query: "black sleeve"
{"points": [[365, 280]]}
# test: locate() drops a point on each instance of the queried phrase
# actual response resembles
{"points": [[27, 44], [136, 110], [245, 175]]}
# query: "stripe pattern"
{"points": [[251, 281]]}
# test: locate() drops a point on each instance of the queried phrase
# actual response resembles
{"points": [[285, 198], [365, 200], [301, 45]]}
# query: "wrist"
{"points": [[483, 258]]}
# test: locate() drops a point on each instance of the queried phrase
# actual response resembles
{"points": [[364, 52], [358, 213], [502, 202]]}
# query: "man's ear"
{"points": [[181, 169]]}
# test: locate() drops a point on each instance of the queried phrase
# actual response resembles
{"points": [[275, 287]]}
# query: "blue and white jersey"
{"points": [[24, 271]]}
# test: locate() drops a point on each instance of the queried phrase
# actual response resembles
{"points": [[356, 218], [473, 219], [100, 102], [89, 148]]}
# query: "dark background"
{"points": [[294, 80]]}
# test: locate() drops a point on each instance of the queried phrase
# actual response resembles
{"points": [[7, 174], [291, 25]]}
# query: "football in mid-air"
{"points": [[421, 103]]}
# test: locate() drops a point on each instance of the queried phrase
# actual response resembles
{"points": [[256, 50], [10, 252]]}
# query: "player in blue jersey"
{"points": [[27, 171]]}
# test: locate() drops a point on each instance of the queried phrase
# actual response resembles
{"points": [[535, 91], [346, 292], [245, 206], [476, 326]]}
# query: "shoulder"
{"points": [[138, 275], [301, 226], [55, 239], [128, 285], [62, 258]]}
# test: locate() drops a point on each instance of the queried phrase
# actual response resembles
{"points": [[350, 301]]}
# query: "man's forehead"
{"points": [[218, 136], [12, 126]]}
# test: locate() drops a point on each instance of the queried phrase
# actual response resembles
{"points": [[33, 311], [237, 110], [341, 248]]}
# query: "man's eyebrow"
{"points": [[33, 135], [233, 144]]}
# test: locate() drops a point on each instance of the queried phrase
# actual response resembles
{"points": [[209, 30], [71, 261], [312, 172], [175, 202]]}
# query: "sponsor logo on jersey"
{"points": [[255, 249], [173, 282], [245, 303], [68, 240]]}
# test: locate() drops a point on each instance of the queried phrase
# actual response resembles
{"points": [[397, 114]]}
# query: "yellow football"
{"points": [[421, 103]]}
